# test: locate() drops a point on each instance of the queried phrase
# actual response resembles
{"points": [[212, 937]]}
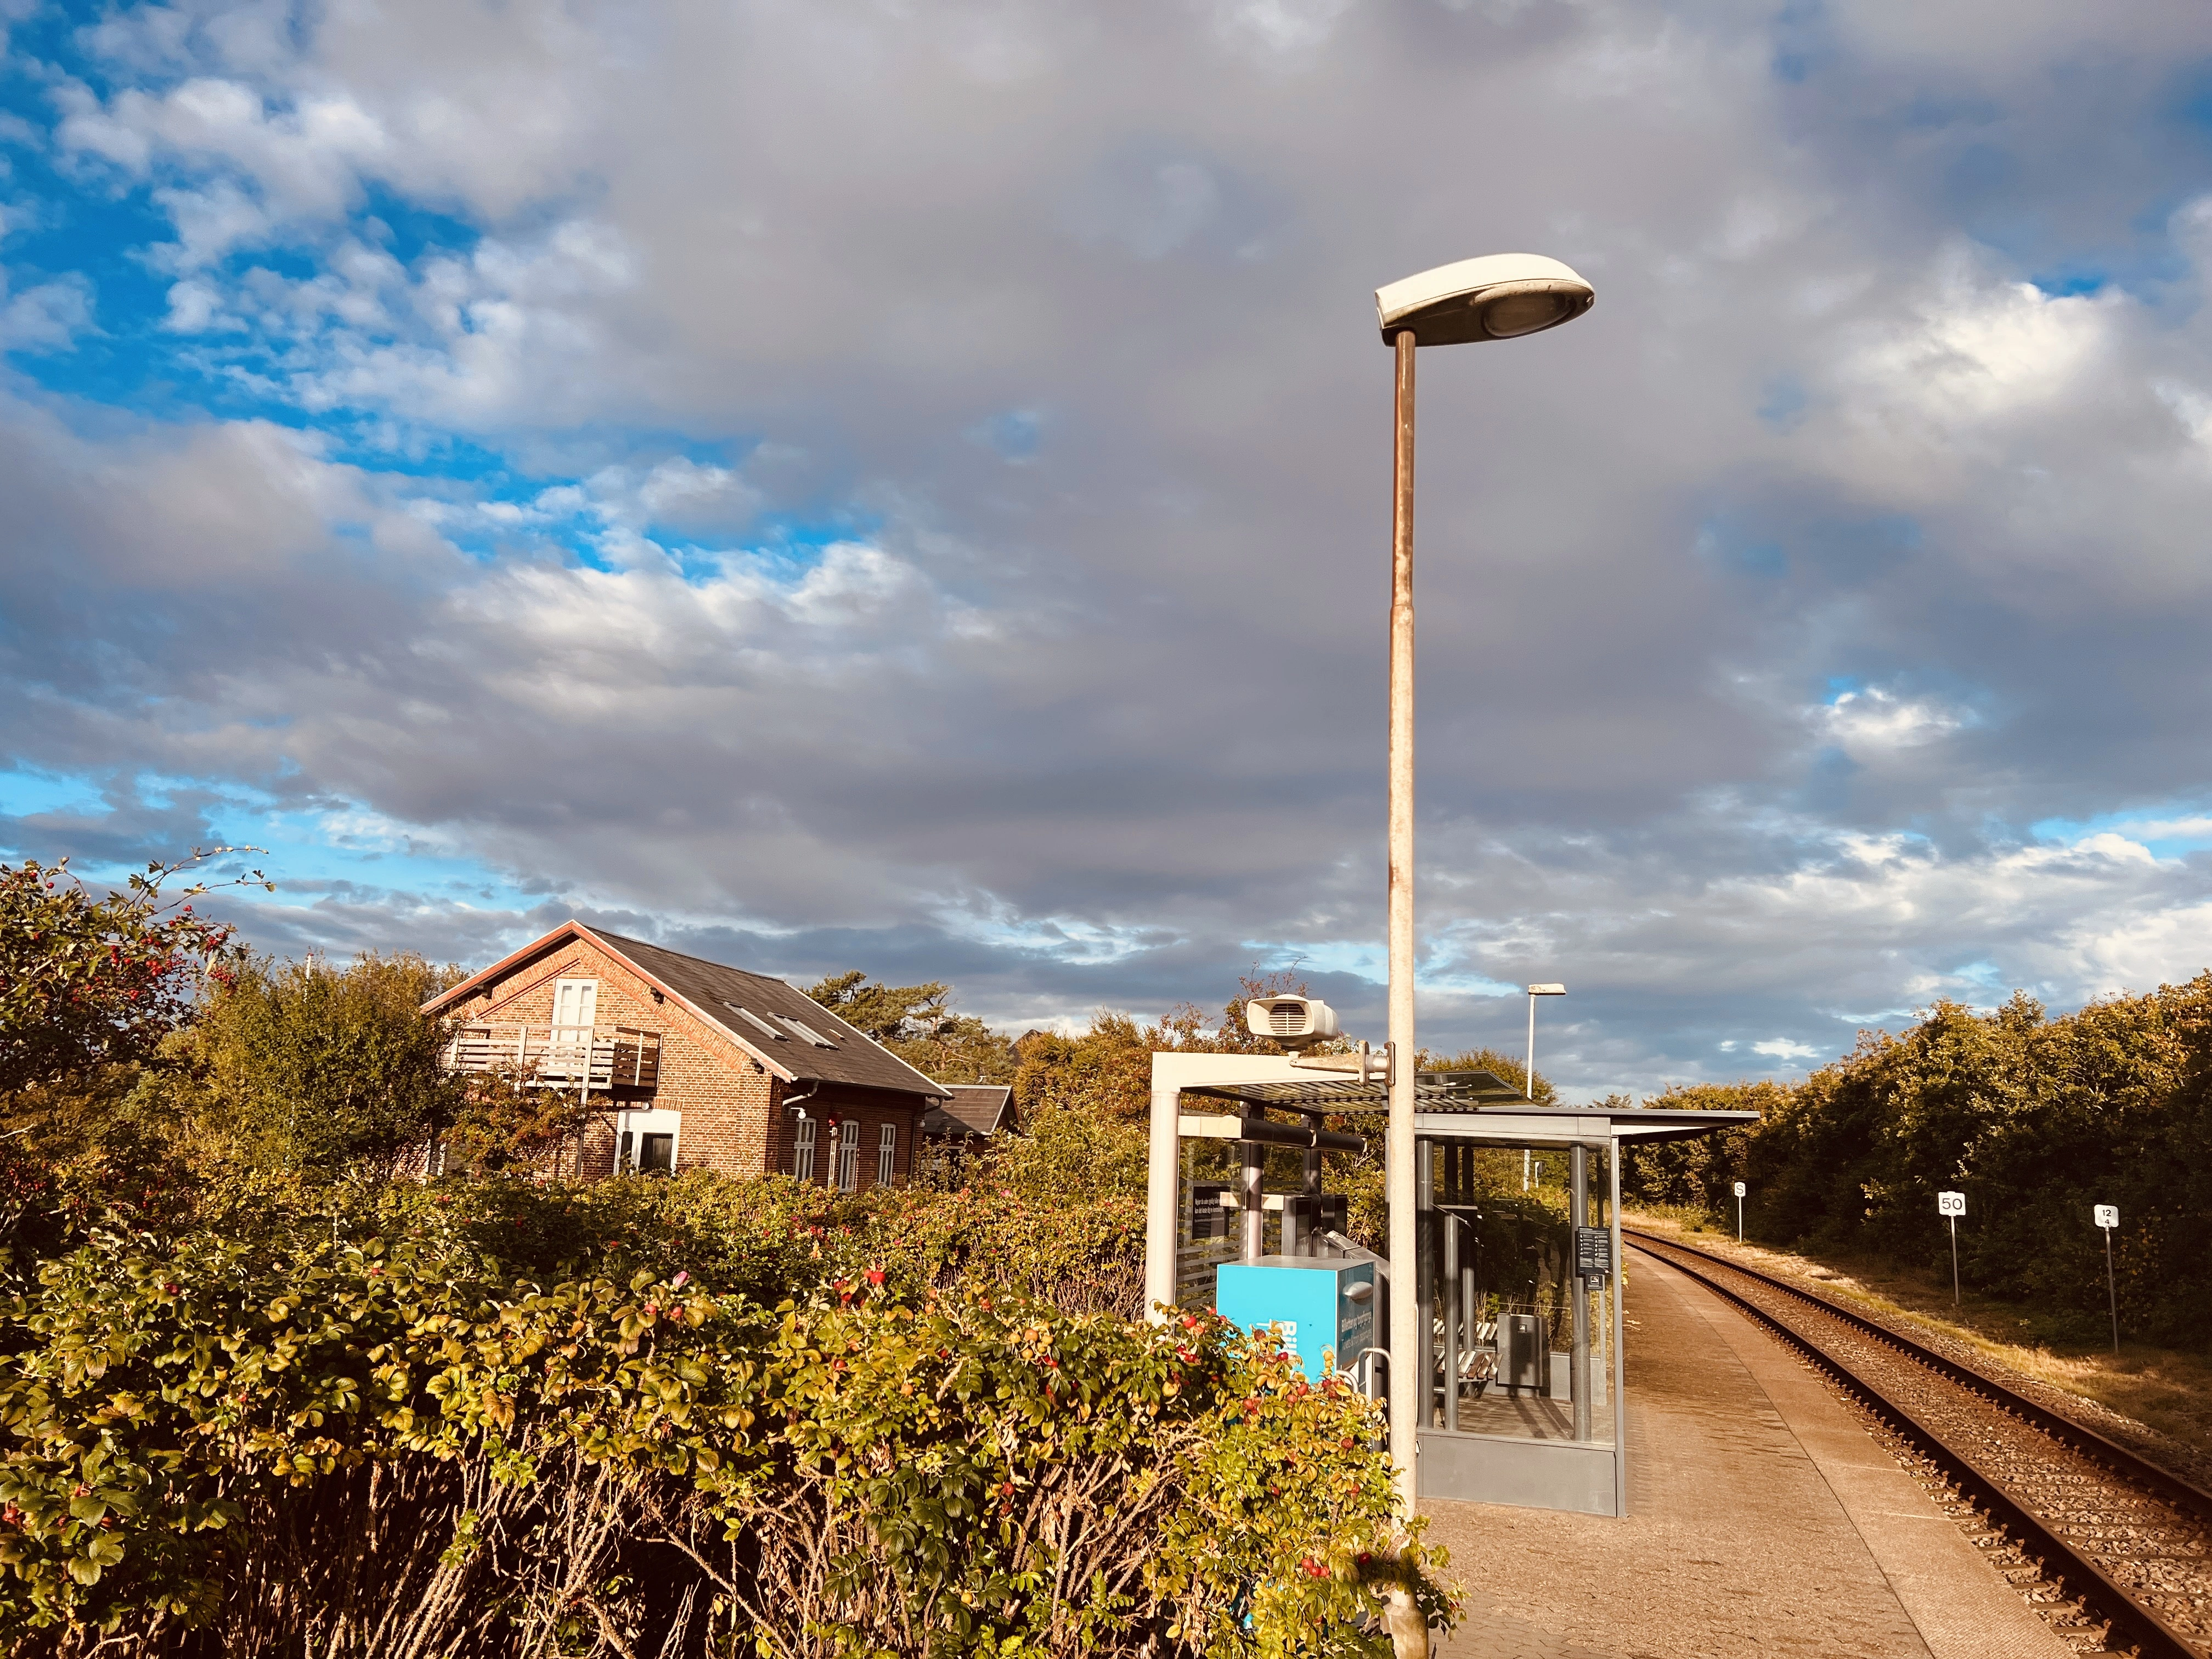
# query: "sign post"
{"points": [[2108, 1216], [1953, 1205], [1739, 1212]]}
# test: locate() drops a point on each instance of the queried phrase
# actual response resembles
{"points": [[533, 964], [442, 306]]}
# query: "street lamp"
{"points": [[1499, 297], [1535, 991]]}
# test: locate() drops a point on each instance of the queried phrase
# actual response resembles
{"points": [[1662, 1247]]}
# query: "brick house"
{"points": [[700, 1065]]}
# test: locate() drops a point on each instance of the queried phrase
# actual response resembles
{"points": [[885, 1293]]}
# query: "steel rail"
{"points": [[2154, 1637]]}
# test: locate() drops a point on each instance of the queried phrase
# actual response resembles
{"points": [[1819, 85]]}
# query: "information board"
{"points": [[1594, 1254]]}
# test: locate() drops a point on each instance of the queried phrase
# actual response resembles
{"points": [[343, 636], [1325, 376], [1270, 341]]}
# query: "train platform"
{"points": [[1763, 1520]]}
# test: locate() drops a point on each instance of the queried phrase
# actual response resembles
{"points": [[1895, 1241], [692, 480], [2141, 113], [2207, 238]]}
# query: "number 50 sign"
{"points": [[1950, 1203]]}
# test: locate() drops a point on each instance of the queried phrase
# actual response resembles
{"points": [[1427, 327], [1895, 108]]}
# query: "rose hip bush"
{"points": [[369, 1423]]}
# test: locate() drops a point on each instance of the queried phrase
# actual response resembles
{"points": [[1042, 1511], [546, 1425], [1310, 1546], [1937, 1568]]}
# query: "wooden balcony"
{"points": [[595, 1057]]}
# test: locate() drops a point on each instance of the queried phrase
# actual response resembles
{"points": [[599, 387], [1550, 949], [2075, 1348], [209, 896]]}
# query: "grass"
{"points": [[2167, 1390]]}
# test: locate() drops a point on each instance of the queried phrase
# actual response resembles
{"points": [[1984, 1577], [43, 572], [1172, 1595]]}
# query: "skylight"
{"points": [[807, 1031], [749, 1015]]}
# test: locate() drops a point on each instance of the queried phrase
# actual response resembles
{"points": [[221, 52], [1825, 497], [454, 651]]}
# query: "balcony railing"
{"points": [[560, 1057]]}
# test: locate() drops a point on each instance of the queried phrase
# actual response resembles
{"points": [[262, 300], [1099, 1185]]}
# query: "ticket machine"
{"points": [[1323, 1307]]}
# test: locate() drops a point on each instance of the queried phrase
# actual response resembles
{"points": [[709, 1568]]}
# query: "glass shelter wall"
{"points": [[1515, 1272], [1520, 1344]]}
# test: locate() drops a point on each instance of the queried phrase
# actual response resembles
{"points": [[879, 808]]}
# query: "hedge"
{"points": [[346, 1424]]}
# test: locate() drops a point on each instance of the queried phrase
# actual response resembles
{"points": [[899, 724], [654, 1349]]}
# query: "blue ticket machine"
{"points": [[1317, 1304]]}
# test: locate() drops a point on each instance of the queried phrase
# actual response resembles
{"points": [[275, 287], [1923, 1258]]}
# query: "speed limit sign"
{"points": [[1950, 1203]]}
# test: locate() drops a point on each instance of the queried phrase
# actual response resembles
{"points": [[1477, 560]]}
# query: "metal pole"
{"points": [[2111, 1292], [1955, 1261], [1407, 1382], [1528, 1090], [1254, 1211], [1578, 1381], [1739, 1218], [1162, 1197]]}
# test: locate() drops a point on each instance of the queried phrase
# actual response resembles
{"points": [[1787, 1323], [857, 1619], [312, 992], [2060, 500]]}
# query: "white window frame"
{"points": [[802, 1149], [887, 1155], [635, 1125], [848, 1155], [568, 1056]]}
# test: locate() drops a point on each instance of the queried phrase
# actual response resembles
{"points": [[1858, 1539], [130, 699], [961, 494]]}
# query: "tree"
{"points": [[88, 982], [916, 1023], [314, 1067]]}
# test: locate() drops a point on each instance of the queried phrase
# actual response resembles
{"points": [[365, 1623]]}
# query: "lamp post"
{"points": [[1528, 1090], [1499, 297]]}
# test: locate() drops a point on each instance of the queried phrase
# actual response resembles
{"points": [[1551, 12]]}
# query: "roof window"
{"points": [[748, 1015], [807, 1031]]}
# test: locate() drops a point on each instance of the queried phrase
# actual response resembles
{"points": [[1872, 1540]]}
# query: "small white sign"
{"points": [[2108, 1215], [1739, 1189], [1950, 1203]]}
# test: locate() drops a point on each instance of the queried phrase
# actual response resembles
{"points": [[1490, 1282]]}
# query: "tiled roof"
{"points": [[727, 996]]}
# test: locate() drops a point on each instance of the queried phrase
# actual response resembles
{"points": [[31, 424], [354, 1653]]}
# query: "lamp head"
{"points": [[1547, 990], [1296, 1023], [1500, 296]]}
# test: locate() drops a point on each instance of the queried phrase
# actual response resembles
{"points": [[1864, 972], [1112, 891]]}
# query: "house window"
{"points": [[848, 1155], [567, 1054], [886, 1155], [646, 1142], [802, 1151]]}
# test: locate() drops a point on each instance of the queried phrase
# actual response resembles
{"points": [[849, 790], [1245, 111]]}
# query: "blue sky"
{"points": [[833, 488]]}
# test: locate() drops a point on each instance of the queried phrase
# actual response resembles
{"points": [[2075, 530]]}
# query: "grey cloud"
{"points": [[1135, 683]]}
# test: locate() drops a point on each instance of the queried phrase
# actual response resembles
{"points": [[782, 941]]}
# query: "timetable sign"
{"points": [[1950, 1203], [1593, 1253], [2108, 1215]]}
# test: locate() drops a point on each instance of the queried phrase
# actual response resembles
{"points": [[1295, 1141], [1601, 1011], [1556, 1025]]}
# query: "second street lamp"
{"points": [[1535, 991], [1499, 297]]}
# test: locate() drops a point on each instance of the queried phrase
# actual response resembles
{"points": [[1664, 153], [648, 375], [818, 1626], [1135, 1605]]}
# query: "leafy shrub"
{"points": [[2034, 1118], [349, 1427]]}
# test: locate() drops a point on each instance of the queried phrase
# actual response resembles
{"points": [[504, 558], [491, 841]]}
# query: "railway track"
{"points": [[2130, 1541]]}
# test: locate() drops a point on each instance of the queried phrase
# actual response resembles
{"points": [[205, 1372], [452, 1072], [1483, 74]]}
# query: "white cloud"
{"points": [[1784, 1050], [48, 317], [1877, 719]]}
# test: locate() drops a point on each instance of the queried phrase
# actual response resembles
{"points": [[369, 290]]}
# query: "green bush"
{"points": [[346, 1422], [2034, 1118]]}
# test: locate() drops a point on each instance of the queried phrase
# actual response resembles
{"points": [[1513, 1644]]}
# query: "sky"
{"points": [[858, 484]]}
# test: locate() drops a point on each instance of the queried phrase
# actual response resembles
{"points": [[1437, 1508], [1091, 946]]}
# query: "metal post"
{"points": [[2112, 1290], [1578, 1217], [1408, 1383], [1254, 1212], [1454, 1344], [1955, 1261], [1619, 1367], [1162, 1197], [1528, 1089], [1739, 1219], [1312, 1170]]}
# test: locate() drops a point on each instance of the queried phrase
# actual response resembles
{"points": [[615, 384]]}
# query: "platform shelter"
{"points": [[1518, 1243]]}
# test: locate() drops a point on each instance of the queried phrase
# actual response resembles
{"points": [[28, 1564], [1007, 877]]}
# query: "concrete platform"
{"points": [[1762, 1520]]}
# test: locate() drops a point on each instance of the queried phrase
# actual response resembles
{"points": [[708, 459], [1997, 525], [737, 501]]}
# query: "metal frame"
{"points": [[1234, 1093]]}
